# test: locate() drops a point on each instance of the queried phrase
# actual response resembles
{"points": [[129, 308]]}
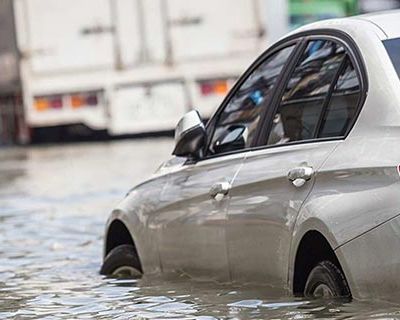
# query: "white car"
{"points": [[294, 182]]}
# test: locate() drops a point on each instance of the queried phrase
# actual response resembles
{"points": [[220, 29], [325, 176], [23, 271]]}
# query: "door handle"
{"points": [[220, 190], [300, 175]]}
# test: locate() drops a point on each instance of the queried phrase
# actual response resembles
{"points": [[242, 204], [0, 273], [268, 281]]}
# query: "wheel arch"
{"points": [[132, 217], [117, 234], [311, 244]]}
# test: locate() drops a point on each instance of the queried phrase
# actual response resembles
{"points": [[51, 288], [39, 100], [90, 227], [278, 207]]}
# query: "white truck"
{"points": [[134, 66]]}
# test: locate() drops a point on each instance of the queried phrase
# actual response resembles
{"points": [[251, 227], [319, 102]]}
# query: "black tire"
{"points": [[123, 258], [326, 280]]}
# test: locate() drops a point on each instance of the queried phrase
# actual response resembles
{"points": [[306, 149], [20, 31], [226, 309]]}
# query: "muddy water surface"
{"points": [[54, 202]]}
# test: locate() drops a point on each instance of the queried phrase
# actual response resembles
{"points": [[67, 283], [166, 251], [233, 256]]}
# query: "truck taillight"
{"points": [[214, 87], [85, 99], [77, 101], [68, 100], [48, 102], [41, 104], [56, 102], [92, 100]]}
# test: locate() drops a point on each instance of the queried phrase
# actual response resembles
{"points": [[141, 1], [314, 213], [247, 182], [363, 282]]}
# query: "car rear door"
{"points": [[191, 228], [276, 178]]}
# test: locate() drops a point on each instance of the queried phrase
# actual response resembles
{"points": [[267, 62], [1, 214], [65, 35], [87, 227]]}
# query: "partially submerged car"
{"points": [[294, 182]]}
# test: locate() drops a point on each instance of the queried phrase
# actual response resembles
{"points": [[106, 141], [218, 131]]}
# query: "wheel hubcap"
{"points": [[126, 271], [323, 291]]}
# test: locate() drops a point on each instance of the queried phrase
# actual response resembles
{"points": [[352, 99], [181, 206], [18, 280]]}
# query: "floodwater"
{"points": [[54, 201]]}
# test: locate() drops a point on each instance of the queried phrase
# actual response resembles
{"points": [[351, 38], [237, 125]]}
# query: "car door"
{"points": [[276, 177], [191, 228]]}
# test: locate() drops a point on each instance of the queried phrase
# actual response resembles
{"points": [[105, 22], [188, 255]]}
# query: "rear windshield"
{"points": [[393, 48]]}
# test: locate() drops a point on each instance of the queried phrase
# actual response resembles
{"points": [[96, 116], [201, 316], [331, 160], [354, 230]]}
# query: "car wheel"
{"points": [[326, 280], [122, 261]]}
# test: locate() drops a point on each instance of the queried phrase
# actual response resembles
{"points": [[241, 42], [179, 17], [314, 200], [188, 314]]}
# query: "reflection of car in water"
{"points": [[294, 182]]}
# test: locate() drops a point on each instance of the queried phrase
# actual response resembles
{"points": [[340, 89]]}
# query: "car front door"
{"points": [[191, 227], [276, 177]]}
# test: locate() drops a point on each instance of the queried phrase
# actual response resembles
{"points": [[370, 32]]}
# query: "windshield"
{"points": [[393, 48]]}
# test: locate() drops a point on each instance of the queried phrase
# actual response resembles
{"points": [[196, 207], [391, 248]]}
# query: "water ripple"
{"points": [[54, 202]]}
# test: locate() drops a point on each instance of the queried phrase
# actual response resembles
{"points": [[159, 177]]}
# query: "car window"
{"points": [[343, 103], [393, 49], [236, 125], [302, 103]]}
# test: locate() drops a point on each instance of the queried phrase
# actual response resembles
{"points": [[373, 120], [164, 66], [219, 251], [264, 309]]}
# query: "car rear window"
{"points": [[393, 48]]}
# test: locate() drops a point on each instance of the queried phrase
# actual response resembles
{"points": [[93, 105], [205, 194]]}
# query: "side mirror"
{"points": [[190, 136]]}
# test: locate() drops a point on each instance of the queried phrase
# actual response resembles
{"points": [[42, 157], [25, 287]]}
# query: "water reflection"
{"points": [[53, 205]]}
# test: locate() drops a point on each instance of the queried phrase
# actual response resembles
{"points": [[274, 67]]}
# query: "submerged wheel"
{"points": [[326, 280], [122, 261]]}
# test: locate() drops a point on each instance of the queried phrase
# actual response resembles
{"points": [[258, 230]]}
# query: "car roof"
{"points": [[387, 21], [385, 24]]}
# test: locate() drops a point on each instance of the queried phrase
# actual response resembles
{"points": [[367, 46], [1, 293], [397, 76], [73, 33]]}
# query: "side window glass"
{"points": [[343, 104], [236, 126], [302, 103]]}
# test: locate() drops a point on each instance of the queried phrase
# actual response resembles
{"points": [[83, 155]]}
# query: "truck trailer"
{"points": [[129, 66]]}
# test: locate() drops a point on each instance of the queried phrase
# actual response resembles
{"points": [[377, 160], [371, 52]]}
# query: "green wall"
{"points": [[306, 11]]}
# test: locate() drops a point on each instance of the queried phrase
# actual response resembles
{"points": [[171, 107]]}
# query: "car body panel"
{"points": [[356, 27], [373, 262], [195, 220], [136, 211], [386, 21], [264, 207], [367, 192], [356, 190]]}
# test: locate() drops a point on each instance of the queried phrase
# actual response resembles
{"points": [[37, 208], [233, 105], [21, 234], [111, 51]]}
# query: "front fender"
{"points": [[137, 211], [145, 243]]}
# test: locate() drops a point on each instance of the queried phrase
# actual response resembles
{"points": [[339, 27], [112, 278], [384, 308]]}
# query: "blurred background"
{"points": [[103, 69], [92, 69]]}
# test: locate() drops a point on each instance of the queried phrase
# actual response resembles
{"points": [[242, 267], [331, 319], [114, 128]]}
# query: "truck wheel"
{"points": [[122, 261], [326, 280]]}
